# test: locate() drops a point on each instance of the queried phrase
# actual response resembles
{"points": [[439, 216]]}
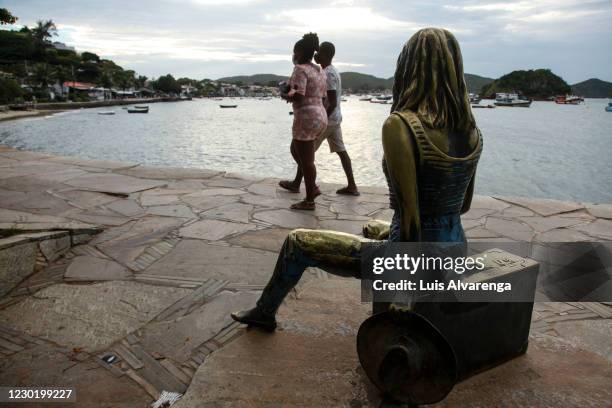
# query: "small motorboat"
{"points": [[569, 100], [228, 106], [483, 106], [138, 110], [106, 113], [474, 98], [343, 100], [511, 100], [291, 113], [609, 107], [366, 98], [141, 106]]}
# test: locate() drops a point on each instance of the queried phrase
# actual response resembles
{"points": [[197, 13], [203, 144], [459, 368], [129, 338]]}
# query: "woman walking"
{"points": [[307, 88]]}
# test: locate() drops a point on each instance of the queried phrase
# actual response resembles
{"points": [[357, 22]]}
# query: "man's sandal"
{"points": [[304, 205]]}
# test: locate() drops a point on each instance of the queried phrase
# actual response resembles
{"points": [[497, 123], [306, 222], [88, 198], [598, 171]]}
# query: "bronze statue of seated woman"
{"points": [[431, 148]]}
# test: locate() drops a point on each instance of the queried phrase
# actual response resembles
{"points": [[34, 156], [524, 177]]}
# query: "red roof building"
{"points": [[79, 85]]}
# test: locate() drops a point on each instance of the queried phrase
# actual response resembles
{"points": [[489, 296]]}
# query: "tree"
{"points": [[89, 57], [106, 79], [41, 34], [167, 84], [9, 90], [141, 81], [6, 17], [42, 75]]}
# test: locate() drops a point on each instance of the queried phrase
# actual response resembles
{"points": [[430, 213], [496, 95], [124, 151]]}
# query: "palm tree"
{"points": [[42, 75], [41, 34], [141, 81]]}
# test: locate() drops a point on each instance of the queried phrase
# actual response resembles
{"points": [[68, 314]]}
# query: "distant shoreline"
{"points": [[49, 108]]}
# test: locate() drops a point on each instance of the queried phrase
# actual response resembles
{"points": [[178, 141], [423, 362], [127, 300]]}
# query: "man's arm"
{"points": [[332, 101]]}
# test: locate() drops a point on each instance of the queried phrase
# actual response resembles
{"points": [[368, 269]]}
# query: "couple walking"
{"points": [[315, 92]]}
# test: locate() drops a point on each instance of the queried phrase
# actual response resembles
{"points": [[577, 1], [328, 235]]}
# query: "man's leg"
{"points": [[336, 145], [348, 170]]}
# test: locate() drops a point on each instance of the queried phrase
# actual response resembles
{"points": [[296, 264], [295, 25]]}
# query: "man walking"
{"points": [[333, 132]]}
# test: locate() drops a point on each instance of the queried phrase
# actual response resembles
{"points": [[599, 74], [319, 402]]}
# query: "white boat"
{"points": [[474, 98], [511, 100], [106, 113], [136, 109]]}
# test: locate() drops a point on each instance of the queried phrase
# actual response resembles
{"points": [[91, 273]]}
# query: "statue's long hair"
{"points": [[429, 81]]}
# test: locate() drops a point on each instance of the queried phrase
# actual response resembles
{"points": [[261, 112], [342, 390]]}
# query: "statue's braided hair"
{"points": [[429, 81], [309, 44]]}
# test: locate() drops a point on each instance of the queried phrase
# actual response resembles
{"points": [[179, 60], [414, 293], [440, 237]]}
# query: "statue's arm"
{"points": [[376, 229], [401, 165]]}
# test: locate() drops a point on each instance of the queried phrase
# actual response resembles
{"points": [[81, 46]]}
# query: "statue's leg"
{"points": [[334, 251]]}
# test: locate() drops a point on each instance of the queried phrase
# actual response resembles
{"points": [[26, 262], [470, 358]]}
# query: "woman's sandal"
{"points": [[304, 205], [347, 191], [288, 185]]}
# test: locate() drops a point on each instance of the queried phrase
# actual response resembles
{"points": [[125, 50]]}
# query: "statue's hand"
{"points": [[376, 229]]}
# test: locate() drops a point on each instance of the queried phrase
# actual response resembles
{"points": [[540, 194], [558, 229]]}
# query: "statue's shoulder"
{"points": [[394, 125]]}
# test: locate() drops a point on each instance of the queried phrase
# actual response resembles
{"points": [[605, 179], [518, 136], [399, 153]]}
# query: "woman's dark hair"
{"points": [[429, 81], [309, 44]]}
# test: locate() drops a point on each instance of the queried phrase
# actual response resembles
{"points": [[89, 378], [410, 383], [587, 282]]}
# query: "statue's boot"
{"points": [[256, 317]]}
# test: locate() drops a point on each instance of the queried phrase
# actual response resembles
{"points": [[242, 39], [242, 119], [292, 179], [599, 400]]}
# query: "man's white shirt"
{"points": [[334, 83]]}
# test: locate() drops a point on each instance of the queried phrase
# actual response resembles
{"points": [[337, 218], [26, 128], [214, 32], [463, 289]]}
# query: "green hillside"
{"points": [[536, 84], [355, 81], [593, 88], [257, 79], [476, 82], [363, 82]]}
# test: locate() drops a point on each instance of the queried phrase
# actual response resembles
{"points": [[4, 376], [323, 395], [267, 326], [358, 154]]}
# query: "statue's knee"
{"points": [[297, 236]]}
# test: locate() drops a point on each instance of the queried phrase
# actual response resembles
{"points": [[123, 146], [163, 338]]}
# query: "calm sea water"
{"points": [[548, 150]]}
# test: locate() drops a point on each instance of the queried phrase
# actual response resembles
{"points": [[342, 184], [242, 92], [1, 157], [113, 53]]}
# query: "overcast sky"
{"points": [[215, 38]]}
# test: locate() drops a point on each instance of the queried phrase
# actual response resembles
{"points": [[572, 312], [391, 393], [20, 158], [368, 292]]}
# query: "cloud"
{"points": [[339, 19], [204, 38]]}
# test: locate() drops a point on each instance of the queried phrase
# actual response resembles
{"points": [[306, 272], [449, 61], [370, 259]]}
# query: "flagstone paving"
{"points": [[147, 263]]}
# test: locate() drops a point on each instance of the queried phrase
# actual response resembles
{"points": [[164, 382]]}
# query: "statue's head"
{"points": [[429, 81]]}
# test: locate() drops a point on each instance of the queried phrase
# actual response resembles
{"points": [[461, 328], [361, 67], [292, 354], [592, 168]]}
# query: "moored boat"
{"points": [[106, 113], [569, 100], [609, 107], [474, 98], [511, 100], [228, 106], [136, 109]]}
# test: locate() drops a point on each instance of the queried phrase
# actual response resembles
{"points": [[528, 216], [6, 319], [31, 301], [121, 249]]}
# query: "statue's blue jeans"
{"points": [[290, 266]]}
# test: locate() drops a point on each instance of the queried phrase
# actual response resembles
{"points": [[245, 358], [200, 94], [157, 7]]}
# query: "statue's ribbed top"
{"points": [[442, 179]]}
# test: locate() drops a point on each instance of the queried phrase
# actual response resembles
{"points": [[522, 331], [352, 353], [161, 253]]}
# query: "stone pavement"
{"points": [[145, 264]]}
